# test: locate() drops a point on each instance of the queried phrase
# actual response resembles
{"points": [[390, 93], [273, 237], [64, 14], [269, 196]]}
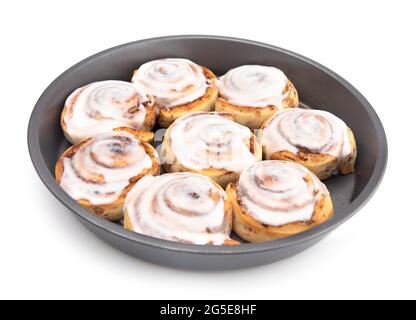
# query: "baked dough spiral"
{"points": [[314, 138], [277, 199], [180, 207], [99, 171], [211, 144], [253, 93], [102, 106], [179, 86]]}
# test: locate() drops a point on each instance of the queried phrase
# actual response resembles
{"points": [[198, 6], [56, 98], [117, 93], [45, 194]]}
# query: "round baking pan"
{"points": [[318, 88]]}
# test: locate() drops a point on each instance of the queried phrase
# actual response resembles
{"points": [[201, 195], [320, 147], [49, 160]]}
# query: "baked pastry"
{"points": [[181, 207], [277, 199], [179, 86], [315, 139], [211, 144], [99, 171], [102, 106], [254, 93]]}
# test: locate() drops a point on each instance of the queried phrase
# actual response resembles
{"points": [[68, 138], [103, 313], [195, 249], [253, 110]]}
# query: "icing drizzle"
{"points": [[254, 86], [102, 167], [102, 106], [172, 81], [316, 131], [182, 207], [279, 192], [211, 140]]}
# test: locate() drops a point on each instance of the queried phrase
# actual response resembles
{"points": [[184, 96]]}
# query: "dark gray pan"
{"points": [[318, 88]]}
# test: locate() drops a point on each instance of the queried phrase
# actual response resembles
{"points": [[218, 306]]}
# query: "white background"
{"points": [[46, 253]]}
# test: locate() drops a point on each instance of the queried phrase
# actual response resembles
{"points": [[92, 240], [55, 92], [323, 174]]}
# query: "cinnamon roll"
{"points": [[253, 93], [99, 171], [211, 144], [315, 139], [102, 106], [180, 207], [179, 86], [277, 199]]}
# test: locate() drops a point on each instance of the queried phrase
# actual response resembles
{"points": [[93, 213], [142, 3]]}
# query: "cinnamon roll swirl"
{"points": [[102, 106], [315, 139], [99, 171], [211, 144], [253, 93], [277, 199], [179, 86], [180, 207]]}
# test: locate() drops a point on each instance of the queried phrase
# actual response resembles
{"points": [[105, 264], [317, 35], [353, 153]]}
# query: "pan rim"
{"points": [[118, 231]]}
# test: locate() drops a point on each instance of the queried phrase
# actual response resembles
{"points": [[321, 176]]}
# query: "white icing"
{"points": [[275, 192], [315, 130], [102, 106], [101, 168], [172, 81], [210, 140], [179, 207], [254, 86]]}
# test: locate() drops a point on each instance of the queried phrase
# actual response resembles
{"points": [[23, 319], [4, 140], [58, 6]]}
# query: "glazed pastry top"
{"points": [[102, 106], [181, 207], [102, 167], [254, 86], [276, 193], [172, 81], [316, 131], [206, 140]]}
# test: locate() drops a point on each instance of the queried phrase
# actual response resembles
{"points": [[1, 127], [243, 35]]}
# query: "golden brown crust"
{"points": [[348, 164], [150, 118], [322, 165], [146, 136], [254, 117], [292, 99], [112, 211], [127, 222], [205, 103], [252, 230]]}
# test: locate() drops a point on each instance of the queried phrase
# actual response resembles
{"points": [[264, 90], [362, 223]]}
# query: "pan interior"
{"points": [[316, 87]]}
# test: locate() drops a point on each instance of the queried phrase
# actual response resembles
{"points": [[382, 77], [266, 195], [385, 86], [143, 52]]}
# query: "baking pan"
{"points": [[318, 87]]}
